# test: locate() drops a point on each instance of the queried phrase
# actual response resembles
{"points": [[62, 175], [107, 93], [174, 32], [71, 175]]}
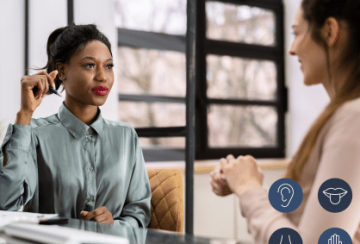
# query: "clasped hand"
{"points": [[236, 175], [100, 214]]}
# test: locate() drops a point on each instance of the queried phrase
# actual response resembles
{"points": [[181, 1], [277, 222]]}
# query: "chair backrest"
{"points": [[167, 202]]}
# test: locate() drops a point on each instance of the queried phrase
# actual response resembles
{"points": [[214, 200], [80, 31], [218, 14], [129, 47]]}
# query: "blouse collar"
{"points": [[76, 127]]}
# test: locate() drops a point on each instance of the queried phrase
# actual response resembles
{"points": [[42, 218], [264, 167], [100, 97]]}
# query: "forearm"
{"points": [[22, 118], [128, 220], [250, 185], [18, 171]]}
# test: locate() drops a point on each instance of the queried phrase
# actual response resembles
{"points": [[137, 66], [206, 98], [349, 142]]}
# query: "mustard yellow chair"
{"points": [[167, 202]]}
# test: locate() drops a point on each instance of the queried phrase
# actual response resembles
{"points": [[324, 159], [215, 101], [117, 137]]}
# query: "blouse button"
{"points": [[91, 168]]}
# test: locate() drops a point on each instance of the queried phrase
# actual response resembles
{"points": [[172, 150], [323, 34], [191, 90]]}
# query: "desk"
{"points": [[135, 235]]}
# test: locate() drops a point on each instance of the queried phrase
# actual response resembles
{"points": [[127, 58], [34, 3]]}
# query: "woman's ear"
{"points": [[331, 31], [60, 67]]}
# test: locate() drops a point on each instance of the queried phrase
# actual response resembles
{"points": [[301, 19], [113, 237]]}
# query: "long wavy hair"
{"points": [[316, 12]]}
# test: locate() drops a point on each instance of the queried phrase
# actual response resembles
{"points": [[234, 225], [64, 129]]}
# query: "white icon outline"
{"points": [[334, 239], [289, 239], [330, 194], [282, 196]]}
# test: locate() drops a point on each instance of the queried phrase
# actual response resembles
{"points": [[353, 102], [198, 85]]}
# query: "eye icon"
{"points": [[335, 194]]}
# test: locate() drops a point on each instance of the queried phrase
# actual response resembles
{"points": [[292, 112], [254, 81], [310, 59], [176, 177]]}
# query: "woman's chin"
{"points": [[310, 82], [99, 103]]}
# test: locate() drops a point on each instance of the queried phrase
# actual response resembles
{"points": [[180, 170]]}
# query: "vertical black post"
{"points": [[190, 114], [26, 25], [70, 12]]}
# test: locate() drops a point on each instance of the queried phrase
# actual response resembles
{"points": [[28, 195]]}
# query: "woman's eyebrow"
{"points": [[87, 57]]}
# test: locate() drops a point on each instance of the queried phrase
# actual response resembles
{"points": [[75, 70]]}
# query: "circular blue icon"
{"points": [[335, 195], [335, 236], [285, 195], [285, 235]]}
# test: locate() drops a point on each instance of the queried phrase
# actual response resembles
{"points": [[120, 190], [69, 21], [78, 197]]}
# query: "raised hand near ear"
{"points": [[33, 89], [38, 83]]}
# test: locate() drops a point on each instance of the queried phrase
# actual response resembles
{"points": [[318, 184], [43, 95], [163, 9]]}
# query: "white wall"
{"points": [[11, 59]]}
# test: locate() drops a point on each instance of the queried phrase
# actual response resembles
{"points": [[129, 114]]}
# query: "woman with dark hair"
{"points": [[327, 44], [74, 163]]}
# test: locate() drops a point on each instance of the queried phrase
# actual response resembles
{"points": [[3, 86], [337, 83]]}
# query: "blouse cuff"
{"points": [[256, 195], [18, 137]]}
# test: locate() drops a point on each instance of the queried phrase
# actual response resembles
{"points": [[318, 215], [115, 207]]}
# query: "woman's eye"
{"points": [[90, 65], [110, 66]]}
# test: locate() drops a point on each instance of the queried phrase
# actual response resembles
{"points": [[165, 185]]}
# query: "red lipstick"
{"points": [[100, 90]]}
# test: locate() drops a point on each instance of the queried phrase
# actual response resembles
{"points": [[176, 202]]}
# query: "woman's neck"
{"points": [[335, 83], [84, 112]]}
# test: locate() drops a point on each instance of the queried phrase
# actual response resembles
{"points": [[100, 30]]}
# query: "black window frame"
{"points": [[240, 50], [162, 42], [204, 46]]}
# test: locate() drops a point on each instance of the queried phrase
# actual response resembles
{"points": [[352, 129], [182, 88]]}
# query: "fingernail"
{"points": [[54, 73]]}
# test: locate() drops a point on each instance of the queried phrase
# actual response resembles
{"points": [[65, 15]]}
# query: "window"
{"points": [[240, 88], [240, 91], [152, 74]]}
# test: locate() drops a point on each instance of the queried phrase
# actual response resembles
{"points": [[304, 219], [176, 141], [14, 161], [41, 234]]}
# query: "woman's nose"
{"points": [[292, 52], [101, 74]]}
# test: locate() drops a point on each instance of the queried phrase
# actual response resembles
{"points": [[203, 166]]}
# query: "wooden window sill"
{"points": [[206, 166]]}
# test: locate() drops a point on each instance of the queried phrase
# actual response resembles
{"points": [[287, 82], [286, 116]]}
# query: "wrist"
{"points": [[23, 117], [241, 189]]}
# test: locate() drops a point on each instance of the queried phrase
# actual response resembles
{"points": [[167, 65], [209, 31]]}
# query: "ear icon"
{"points": [[287, 193]]}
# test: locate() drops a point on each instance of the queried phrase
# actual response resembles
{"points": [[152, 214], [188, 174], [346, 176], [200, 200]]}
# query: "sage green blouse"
{"points": [[58, 164]]}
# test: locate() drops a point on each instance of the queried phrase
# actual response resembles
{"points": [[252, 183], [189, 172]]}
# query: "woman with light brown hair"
{"points": [[327, 44]]}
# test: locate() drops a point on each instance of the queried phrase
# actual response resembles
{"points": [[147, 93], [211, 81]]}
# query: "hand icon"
{"points": [[334, 239]]}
